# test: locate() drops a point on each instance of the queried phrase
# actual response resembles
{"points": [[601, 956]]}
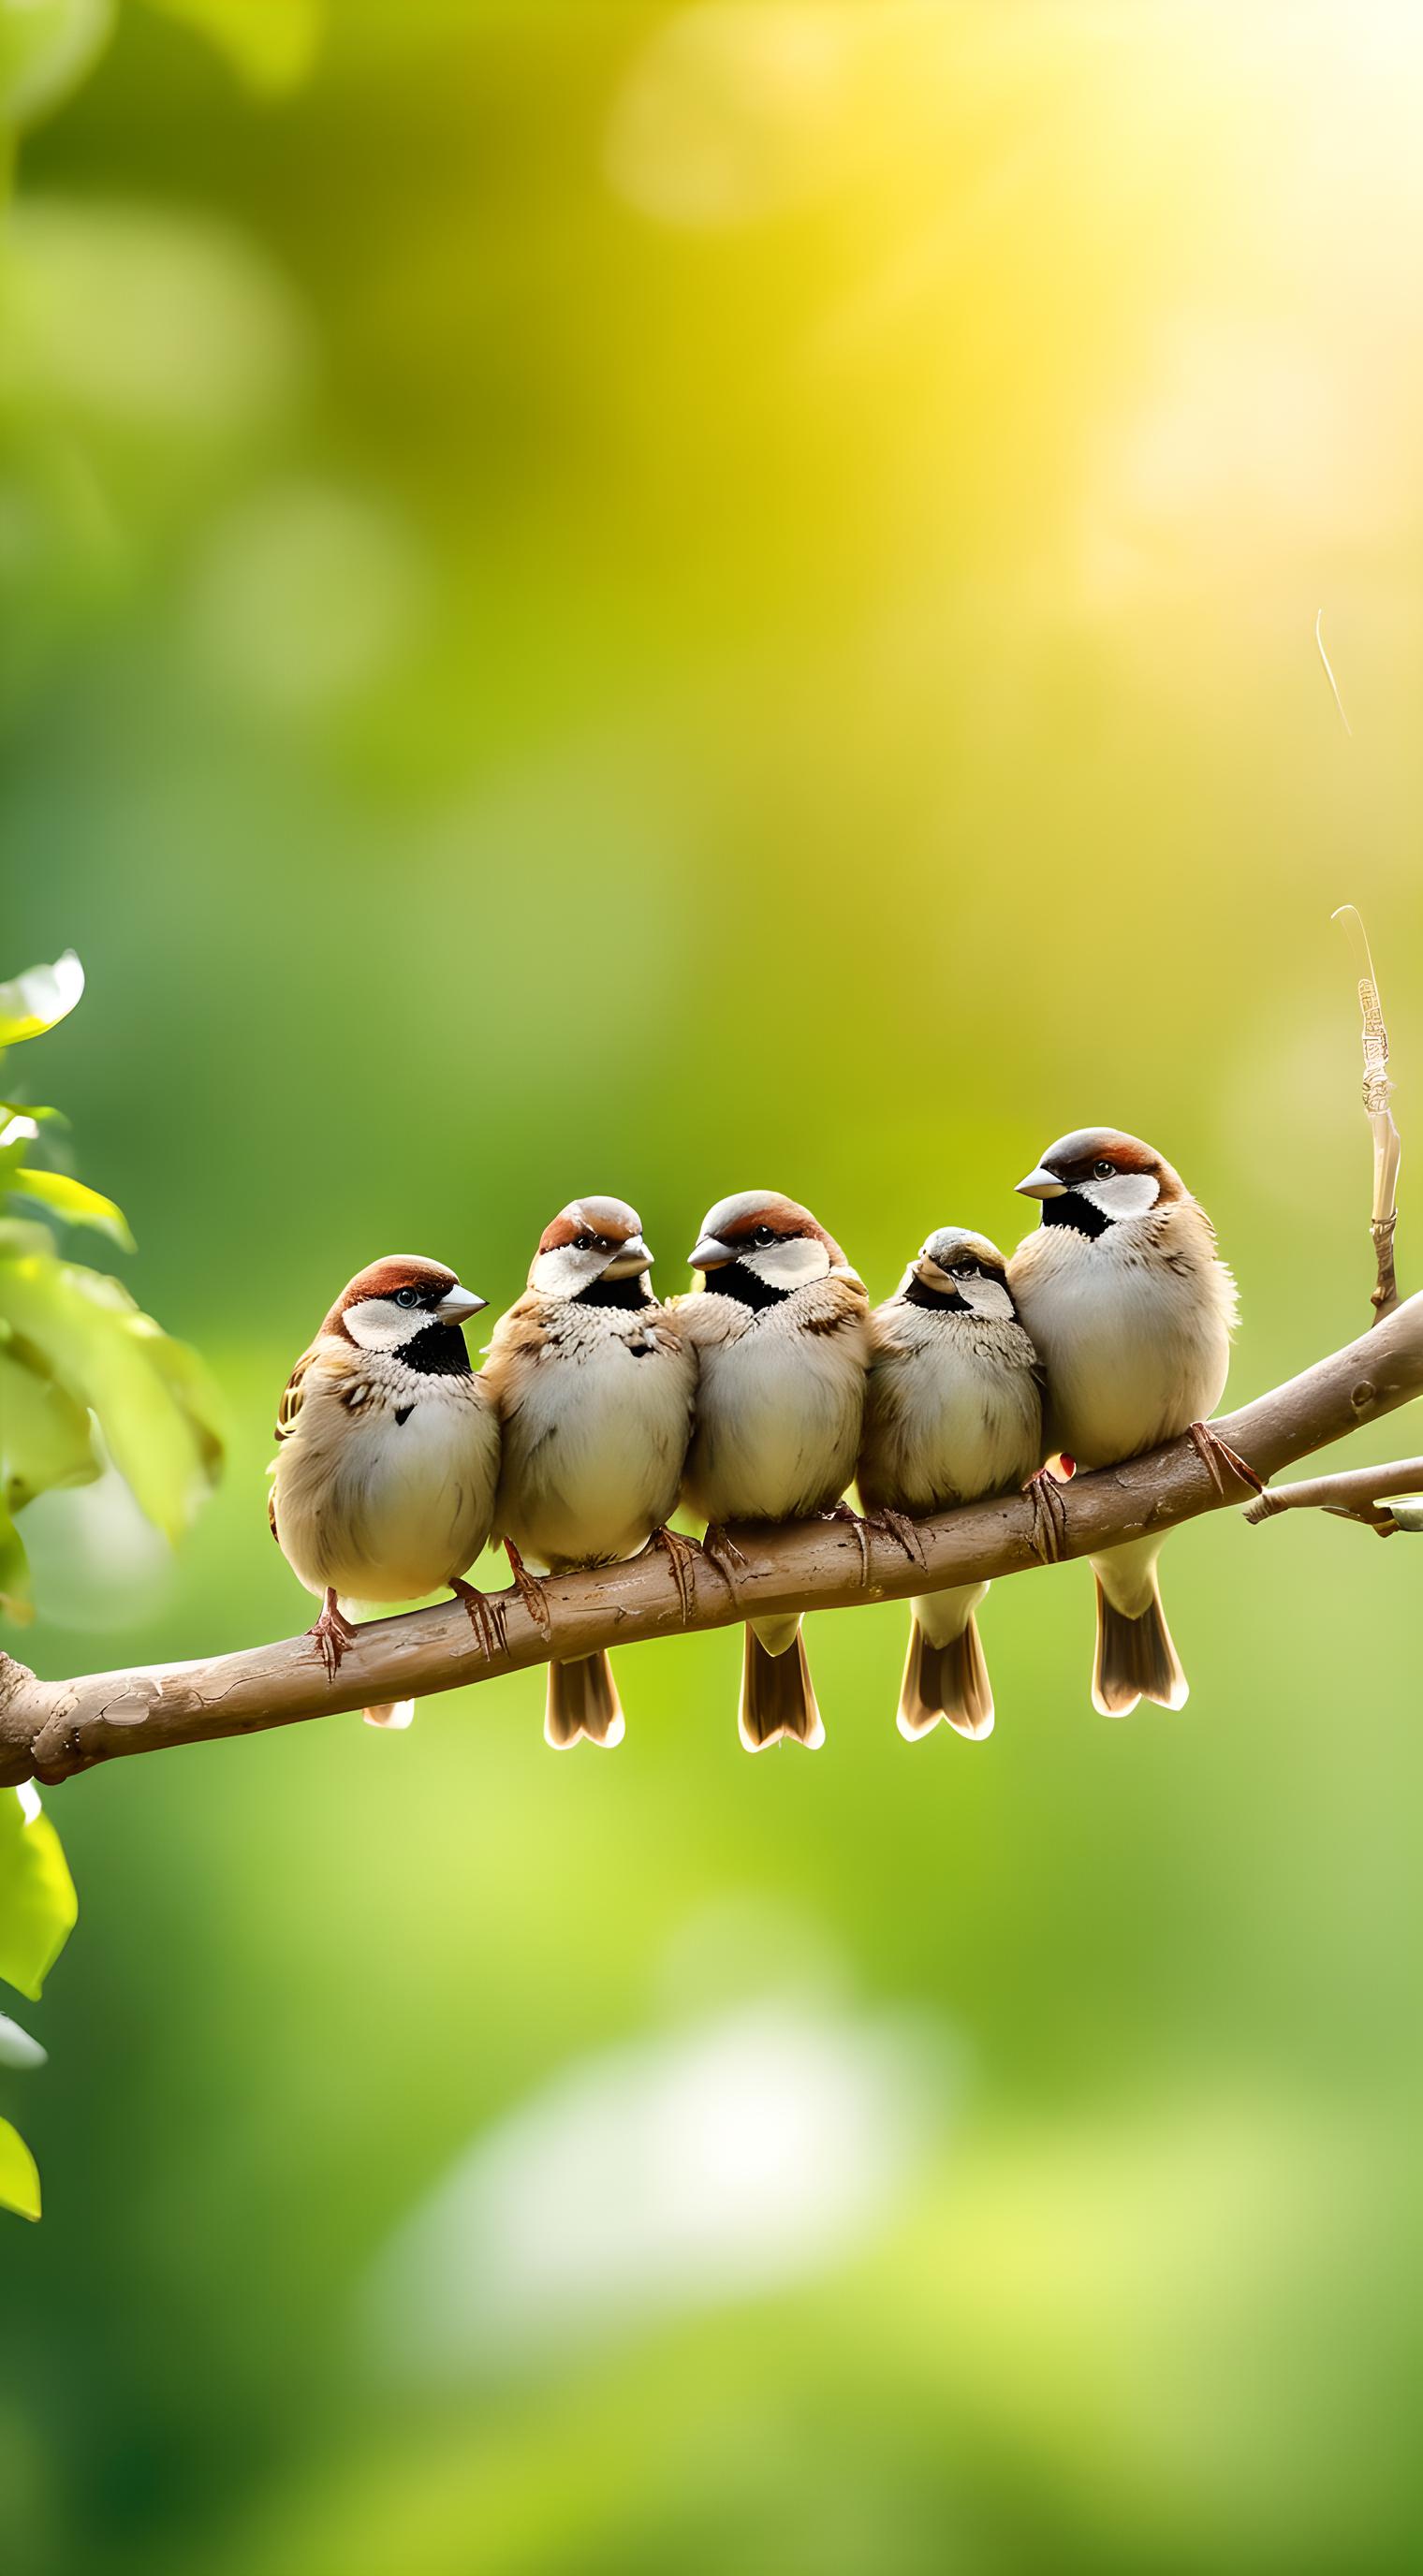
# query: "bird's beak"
{"points": [[710, 1254], [631, 1259], [1042, 1184], [932, 1276], [457, 1305]]}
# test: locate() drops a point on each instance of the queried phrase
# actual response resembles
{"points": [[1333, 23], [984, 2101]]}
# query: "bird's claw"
{"points": [[681, 1554], [1220, 1461], [530, 1591], [1049, 1529], [725, 1555], [487, 1618], [842, 1512], [899, 1527], [333, 1633]]}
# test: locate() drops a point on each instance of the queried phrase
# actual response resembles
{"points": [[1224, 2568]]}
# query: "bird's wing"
{"points": [[287, 1411], [289, 1408], [517, 1343]]}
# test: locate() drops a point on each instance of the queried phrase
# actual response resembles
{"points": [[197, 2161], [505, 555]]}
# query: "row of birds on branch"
{"points": [[756, 1399]]}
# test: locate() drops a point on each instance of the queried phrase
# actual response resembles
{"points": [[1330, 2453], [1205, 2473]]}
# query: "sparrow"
{"points": [[953, 1411], [383, 1484], [1131, 1311], [781, 1331], [594, 1383]]}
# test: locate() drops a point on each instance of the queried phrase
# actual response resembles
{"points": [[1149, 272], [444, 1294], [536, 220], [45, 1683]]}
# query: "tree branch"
{"points": [[49, 1730], [1353, 1496]]}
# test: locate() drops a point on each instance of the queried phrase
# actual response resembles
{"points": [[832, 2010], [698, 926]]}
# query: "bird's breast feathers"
{"points": [[597, 1407], [779, 1406], [953, 1410], [384, 1484], [1133, 1328]]}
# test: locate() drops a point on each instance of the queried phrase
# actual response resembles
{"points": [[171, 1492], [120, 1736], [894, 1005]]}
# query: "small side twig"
{"points": [[1329, 673], [1352, 1496], [1388, 1144]]}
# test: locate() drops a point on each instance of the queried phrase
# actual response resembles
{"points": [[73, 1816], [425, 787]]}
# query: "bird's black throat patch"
{"points": [[733, 1279], [1074, 1210], [629, 1294], [944, 1301], [438, 1351]]}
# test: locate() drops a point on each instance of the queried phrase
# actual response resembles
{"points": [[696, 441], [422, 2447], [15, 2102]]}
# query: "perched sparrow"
{"points": [[1131, 1313], [383, 1486], [953, 1411], [782, 1339], [594, 1386]]}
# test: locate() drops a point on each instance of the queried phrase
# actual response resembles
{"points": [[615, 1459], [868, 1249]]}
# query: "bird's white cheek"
{"points": [[377, 1325], [563, 1272], [1122, 1194], [790, 1265]]}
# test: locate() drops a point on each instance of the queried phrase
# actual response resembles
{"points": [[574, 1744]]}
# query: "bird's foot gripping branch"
{"points": [[52, 1729]]}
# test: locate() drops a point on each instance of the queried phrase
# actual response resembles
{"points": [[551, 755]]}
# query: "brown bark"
{"points": [[1354, 1496]]}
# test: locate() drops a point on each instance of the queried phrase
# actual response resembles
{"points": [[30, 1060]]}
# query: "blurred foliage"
{"points": [[600, 594], [83, 1373], [83, 1376], [37, 1914], [37, 1901]]}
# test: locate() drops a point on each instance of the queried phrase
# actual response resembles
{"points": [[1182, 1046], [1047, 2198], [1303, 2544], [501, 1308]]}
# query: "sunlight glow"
{"points": [[670, 2174]]}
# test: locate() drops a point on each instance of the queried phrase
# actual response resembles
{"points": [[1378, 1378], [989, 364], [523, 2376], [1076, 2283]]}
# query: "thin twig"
{"points": [[1329, 672], [1358, 1495], [1388, 1144], [49, 1730]]}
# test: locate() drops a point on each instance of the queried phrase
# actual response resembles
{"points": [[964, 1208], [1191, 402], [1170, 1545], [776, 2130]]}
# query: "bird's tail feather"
{"points": [[1135, 1658], [777, 1697], [583, 1702], [948, 1681]]}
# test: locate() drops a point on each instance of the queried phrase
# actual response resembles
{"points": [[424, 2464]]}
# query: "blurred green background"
{"points": [[651, 599]]}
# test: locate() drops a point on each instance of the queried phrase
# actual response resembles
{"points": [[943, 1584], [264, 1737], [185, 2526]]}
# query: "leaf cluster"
{"points": [[86, 1380]]}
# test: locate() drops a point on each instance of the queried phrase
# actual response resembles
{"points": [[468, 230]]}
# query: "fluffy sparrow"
{"points": [[1131, 1313], [782, 1340], [383, 1484], [953, 1411], [594, 1386]]}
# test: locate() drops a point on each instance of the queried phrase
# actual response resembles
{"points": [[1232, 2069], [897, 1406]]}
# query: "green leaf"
{"points": [[75, 1202], [46, 48], [18, 1239], [16, 1598], [271, 44], [19, 2174], [18, 2051], [186, 1378], [40, 998], [38, 1906], [139, 323], [156, 1407], [46, 1439]]}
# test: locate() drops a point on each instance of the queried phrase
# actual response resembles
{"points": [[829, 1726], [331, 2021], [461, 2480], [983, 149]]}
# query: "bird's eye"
{"points": [[583, 1243], [961, 1269], [762, 1236], [1103, 1171], [407, 1296]]}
